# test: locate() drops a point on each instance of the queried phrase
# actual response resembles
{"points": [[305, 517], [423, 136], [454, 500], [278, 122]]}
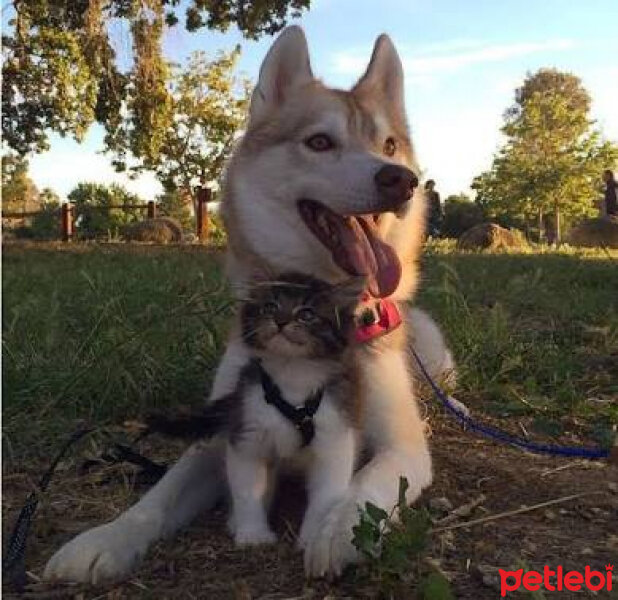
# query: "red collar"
{"points": [[386, 318]]}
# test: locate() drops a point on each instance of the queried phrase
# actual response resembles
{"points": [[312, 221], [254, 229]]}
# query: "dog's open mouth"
{"points": [[355, 245]]}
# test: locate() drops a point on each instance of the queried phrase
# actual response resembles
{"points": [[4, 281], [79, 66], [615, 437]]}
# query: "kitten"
{"points": [[295, 399]]}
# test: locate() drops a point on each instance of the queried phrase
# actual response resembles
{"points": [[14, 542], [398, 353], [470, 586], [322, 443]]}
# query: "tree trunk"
{"points": [[541, 226], [557, 236]]}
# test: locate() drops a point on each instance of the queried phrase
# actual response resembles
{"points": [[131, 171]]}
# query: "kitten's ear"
{"points": [[255, 277], [350, 291]]}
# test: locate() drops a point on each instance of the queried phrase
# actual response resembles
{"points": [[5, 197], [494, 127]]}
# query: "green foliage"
{"points": [[104, 334], [460, 213], [393, 547], [553, 157], [49, 198], [60, 70], [532, 334], [252, 18], [175, 205], [217, 235], [19, 194], [45, 225], [206, 109], [93, 219]]}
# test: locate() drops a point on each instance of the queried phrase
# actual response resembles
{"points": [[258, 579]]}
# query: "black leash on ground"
{"points": [[13, 560], [13, 564], [206, 423]]}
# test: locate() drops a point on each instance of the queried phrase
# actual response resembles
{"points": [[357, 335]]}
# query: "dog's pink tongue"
{"points": [[362, 252]]}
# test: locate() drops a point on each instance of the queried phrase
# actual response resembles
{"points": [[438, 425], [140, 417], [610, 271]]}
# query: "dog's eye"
{"points": [[390, 147], [320, 142], [269, 308], [305, 315]]}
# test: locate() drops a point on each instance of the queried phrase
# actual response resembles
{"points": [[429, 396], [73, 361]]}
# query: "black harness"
{"points": [[300, 416]]}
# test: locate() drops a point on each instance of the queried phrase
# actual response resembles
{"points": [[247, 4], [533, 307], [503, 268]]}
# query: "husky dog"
{"points": [[324, 182]]}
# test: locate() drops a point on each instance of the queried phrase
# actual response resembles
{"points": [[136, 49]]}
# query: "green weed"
{"points": [[393, 545]]}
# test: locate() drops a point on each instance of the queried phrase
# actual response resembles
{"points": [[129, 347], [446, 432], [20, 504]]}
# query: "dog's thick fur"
{"points": [[270, 171]]}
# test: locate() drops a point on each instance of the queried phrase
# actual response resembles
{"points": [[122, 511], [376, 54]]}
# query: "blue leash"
{"points": [[502, 436]]}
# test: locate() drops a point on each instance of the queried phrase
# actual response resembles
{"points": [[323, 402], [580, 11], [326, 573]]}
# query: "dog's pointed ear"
{"points": [[384, 75], [285, 68]]}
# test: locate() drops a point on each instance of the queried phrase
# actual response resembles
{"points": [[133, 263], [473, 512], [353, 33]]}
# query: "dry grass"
{"points": [[103, 333], [160, 230], [595, 233], [488, 236]]}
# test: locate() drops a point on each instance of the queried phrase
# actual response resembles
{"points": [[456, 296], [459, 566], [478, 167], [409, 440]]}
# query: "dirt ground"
{"points": [[202, 562]]}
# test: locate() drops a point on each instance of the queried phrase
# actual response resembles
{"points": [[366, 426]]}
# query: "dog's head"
{"points": [[325, 181]]}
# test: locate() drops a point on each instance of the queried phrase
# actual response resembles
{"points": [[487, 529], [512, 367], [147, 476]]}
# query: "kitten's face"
{"points": [[301, 317]]}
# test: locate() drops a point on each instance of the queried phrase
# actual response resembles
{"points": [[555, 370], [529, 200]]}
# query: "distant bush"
{"points": [[46, 224], [175, 205], [460, 214], [216, 231], [92, 223], [595, 233]]}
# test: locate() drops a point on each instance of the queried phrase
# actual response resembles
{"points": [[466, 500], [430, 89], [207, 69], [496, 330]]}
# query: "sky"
{"points": [[462, 62]]}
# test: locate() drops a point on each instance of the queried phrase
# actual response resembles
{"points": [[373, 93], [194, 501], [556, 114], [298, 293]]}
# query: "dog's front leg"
{"points": [[111, 551], [329, 476], [395, 431], [195, 483]]}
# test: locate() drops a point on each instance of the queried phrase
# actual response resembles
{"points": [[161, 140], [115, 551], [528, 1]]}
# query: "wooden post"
{"points": [[67, 222], [201, 214], [152, 209]]}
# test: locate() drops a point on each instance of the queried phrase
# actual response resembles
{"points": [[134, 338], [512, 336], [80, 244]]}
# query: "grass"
{"points": [[100, 333], [533, 334], [103, 332]]}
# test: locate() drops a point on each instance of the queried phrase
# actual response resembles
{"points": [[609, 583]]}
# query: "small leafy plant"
{"points": [[393, 544]]}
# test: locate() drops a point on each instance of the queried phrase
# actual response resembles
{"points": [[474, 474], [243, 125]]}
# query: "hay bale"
{"points": [[489, 236], [594, 233], [160, 230]]}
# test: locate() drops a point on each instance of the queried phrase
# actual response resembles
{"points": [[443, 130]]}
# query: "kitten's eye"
{"points": [[269, 308], [305, 315], [390, 147], [320, 142]]}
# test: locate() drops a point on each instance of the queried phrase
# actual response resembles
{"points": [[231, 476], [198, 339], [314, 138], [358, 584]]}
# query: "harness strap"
{"points": [[300, 416]]}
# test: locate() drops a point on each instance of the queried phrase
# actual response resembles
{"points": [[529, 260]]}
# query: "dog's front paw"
{"points": [[307, 532], [103, 554], [330, 550], [254, 536]]}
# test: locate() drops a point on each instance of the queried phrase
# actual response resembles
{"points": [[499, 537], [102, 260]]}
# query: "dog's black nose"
{"points": [[395, 184]]}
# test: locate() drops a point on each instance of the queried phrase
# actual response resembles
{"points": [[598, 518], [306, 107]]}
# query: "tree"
{"points": [[460, 213], [172, 204], [49, 198], [60, 70], [553, 156], [93, 218], [45, 225], [19, 194], [207, 105]]}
